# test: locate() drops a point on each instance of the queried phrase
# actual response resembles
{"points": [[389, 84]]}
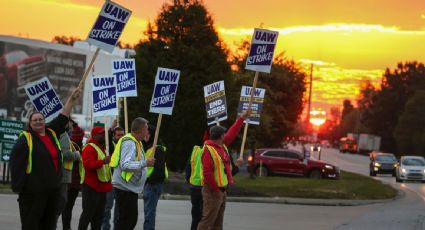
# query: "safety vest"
{"points": [[115, 159], [104, 172], [70, 164], [28, 136], [219, 169], [151, 168], [196, 176]]}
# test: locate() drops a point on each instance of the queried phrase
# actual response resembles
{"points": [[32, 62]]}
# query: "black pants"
{"points": [[196, 199], [127, 209], [93, 209], [38, 211], [67, 212]]}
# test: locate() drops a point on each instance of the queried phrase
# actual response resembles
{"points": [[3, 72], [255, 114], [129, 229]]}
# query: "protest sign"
{"points": [[164, 93], [124, 71], [108, 26], [104, 96], [44, 98], [256, 106], [215, 102], [261, 52]]}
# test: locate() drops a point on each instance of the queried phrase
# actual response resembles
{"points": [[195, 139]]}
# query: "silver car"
{"points": [[411, 168]]}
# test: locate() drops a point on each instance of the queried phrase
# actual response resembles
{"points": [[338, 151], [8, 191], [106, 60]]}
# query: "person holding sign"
{"points": [[36, 168], [130, 173], [217, 173], [97, 180]]}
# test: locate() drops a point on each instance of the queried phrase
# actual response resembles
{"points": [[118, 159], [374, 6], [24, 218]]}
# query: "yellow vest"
{"points": [[196, 176], [28, 136], [69, 164], [103, 173], [219, 169], [151, 168], [115, 159]]}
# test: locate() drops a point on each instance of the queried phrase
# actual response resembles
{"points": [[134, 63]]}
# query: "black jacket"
{"points": [[44, 175]]}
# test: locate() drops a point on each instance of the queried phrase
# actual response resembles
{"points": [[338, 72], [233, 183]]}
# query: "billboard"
{"points": [[22, 64]]}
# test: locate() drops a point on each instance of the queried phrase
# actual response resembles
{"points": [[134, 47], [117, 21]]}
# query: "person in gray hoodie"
{"points": [[130, 171]]}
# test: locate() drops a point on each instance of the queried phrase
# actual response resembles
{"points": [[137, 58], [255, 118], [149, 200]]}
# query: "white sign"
{"points": [[104, 96], [165, 90], [108, 26], [44, 98], [124, 71], [256, 106], [260, 56], [215, 102]]}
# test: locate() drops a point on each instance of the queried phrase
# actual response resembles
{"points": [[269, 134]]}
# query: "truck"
{"points": [[368, 143], [347, 145]]}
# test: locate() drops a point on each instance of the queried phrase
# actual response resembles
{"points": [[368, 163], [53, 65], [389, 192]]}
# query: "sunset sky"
{"points": [[346, 40]]}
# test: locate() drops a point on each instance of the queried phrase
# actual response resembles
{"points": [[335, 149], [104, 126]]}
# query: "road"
{"points": [[407, 213]]}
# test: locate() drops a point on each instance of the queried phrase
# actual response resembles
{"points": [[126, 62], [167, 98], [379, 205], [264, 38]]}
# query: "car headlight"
{"points": [[377, 164], [424, 170], [403, 170], [329, 166]]}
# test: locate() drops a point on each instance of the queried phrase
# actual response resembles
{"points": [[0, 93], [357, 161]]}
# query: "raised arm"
{"points": [[70, 102]]}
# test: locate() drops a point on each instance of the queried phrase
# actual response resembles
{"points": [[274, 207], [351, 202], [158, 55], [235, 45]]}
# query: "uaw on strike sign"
{"points": [[165, 90], [215, 102], [124, 71], [261, 52], [104, 96], [109, 25], [257, 103], [44, 98]]}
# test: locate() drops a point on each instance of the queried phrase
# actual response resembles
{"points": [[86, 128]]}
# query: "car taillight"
{"points": [[250, 158]]}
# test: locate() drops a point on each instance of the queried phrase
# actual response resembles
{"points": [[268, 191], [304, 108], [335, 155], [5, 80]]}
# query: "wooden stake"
{"points": [[86, 73], [125, 115], [106, 137], [158, 125], [254, 86]]}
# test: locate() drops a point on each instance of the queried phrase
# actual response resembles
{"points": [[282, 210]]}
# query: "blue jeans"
{"points": [[110, 197], [151, 196]]}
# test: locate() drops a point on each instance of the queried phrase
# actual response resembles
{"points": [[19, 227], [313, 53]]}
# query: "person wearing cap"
{"points": [[217, 173], [36, 168], [97, 180], [156, 174], [130, 173]]}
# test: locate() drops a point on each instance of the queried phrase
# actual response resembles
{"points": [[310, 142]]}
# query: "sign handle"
{"points": [[251, 98], [106, 137], [125, 115], [158, 125], [86, 73], [217, 121]]}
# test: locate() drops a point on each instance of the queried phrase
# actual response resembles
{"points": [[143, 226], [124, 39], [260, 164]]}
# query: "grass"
{"points": [[349, 186]]}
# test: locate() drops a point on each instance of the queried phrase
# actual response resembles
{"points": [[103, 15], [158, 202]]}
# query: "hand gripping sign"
{"points": [[108, 26], [104, 96], [124, 71], [215, 102], [44, 98], [261, 52], [257, 104], [165, 90]]}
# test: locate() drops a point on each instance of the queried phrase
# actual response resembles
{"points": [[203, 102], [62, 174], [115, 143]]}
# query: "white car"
{"points": [[411, 168]]}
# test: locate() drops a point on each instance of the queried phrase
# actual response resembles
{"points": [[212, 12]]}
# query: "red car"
{"points": [[289, 162]]}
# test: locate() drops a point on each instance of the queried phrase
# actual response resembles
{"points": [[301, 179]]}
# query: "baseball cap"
{"points": [[97, 130]]}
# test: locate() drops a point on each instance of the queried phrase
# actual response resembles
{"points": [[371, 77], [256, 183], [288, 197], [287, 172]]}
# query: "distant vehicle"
{"points": [[382, 163], [289, 162], [347, 144], [325, 143], [368, 143], [411, 168]]}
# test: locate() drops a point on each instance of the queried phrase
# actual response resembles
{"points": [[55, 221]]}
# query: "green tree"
{"points": [[410, 129], [181, 37], [388, 103]]}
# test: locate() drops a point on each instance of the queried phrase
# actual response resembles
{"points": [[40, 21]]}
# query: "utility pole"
{"points": [[309, 94]]}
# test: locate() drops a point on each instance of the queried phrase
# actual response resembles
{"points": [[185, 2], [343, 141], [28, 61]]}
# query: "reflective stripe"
{"points": [[28, 136], [219, 168], [103, 173], [115, 159], [196, 176]]}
